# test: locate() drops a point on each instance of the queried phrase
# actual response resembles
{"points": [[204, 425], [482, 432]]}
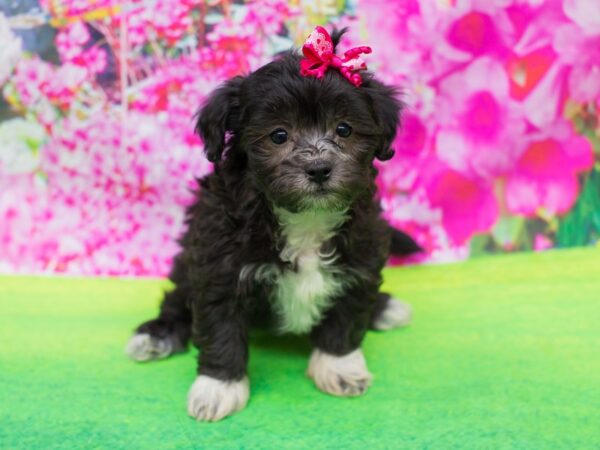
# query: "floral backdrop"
{"points": [[500, 147]]}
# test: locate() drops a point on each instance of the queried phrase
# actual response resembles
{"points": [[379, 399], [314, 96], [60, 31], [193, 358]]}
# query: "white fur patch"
{"points": [[301, 295], [396, 314], [340, 375], [210, 399], [143, 347]]}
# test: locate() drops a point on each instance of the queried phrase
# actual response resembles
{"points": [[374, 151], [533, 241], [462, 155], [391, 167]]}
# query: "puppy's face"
{"points": [[308, 143]]}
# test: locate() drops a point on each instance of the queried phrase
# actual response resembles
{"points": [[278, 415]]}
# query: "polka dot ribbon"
{"points": [[319, 57]]}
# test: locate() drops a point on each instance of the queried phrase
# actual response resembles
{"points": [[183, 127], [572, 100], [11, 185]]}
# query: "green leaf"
{"points": [[507, 230], [582, 225], [479, 244]]}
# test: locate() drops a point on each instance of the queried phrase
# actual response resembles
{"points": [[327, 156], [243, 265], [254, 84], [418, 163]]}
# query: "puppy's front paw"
{"points": [[340, 375], [210, 399]]}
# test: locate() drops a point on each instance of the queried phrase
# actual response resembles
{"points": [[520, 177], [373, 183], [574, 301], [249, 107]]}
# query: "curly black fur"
{"points": [[233, 223]]}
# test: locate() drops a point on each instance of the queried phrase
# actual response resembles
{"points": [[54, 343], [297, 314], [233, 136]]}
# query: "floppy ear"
{"points": [[386, 108], [219, 115]]}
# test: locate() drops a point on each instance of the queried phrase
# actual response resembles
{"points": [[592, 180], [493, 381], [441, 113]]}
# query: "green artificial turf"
{"points": [[503, 353]]}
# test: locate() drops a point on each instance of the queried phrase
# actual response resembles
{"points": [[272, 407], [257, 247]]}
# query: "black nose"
{"points": [[318, 171]]}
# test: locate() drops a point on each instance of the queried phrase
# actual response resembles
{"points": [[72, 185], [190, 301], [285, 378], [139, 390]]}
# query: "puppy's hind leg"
{"points": [[167, 334], [389, 313]]}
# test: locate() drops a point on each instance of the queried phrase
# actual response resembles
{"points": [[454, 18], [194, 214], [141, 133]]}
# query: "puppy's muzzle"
{"points": [[318, 171]]}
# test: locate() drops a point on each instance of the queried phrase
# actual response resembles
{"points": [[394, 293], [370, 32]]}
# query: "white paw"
{"points": [[340, 375], [143, 347], [210, 399], [396, 314]]}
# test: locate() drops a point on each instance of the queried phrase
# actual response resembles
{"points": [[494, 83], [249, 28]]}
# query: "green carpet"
{"points": [[503, 353]]}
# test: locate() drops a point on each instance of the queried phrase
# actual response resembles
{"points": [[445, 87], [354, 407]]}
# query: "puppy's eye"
{"points": [[343, 130], [279, 136]]}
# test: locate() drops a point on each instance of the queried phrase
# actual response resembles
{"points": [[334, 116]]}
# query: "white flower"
{"points": [[10, 49], [20, 141]]}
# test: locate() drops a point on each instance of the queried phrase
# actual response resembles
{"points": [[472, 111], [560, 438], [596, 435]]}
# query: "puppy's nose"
{"points": [[318, 171]]}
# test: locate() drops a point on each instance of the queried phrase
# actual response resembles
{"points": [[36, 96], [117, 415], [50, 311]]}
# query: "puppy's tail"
{"points": [[402, 244]]}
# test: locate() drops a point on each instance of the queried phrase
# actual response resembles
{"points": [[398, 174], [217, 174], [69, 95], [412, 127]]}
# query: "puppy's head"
{"points": [[305, 143]]}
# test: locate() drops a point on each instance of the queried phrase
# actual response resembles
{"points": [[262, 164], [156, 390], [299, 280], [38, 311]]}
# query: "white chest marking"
{"points": [[300, 296]]}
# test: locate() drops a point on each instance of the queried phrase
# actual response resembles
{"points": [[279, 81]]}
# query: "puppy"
{"points": [[286, 232]]}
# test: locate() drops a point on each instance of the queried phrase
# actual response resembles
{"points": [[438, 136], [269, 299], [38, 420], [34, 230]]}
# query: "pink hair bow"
{"points": [[319, 57]]}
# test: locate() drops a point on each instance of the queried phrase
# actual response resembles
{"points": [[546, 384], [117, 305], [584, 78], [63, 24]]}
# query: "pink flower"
{"points": [[480, 127], [28, 78], [526, 71], [62, 88], [582, 53], [170, 20], [412, 146], [413, 215], [175, 87], [542, 243], [408, 28], [70, 41], [554, 58], [108, 205], [488, 84], [138, 31], [82, 234], [475, 33], [474, 28], [268, 16], [537, 79], [37, 82], [585, 14], [230, 54], [545, 176], [166, 21], [412, 136], [467, 204]]}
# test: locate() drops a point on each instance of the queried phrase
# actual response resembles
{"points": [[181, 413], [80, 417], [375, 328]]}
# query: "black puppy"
{"points": [[286, 230]]}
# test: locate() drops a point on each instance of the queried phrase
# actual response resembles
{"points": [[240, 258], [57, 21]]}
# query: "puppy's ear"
{"points": [[219, 115], [386, 108]]}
